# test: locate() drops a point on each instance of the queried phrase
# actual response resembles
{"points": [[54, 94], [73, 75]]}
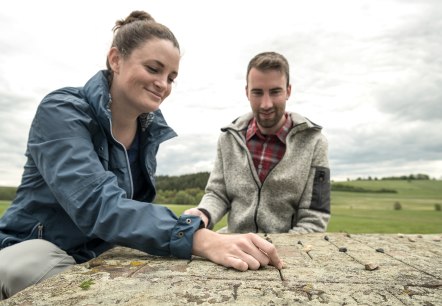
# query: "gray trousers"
{"points": [[28, 263]]}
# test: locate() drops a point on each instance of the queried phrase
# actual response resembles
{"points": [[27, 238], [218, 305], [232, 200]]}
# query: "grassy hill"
{"points": [[374, 212], [413, 188], [359, 212]]}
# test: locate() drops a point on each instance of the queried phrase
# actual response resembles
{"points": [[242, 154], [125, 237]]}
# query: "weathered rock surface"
{"points": [[373, 270]]}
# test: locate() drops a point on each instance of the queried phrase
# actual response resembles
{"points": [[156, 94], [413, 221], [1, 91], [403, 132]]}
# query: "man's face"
{"points": [[268, 92]]}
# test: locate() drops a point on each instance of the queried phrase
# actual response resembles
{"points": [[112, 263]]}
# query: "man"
{"points": [[271, 172]]}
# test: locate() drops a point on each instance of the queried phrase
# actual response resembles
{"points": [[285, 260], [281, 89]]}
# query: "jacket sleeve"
{"points": [[60, 142], [313, 212], [215, 200]]}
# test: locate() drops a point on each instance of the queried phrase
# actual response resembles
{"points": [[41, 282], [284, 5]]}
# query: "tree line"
{"points": [[182, 182], [189, 188], [348, 188], [182, 189], [410, 177], [7, 193]]}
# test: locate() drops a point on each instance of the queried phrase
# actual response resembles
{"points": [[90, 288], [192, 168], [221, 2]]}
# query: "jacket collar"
{"points": [[98, 96], [299, 122]]}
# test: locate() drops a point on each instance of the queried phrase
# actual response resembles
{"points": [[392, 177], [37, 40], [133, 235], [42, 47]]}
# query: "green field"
{"points": [[374, 212], [356, 212], [3, 206]]}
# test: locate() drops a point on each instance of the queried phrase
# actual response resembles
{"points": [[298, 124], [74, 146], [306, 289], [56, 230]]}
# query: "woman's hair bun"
{"points": [[134, 16]]}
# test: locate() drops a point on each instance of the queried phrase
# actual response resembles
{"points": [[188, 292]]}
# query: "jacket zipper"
{"points": [[40, 231], [251, 167], [239, 139], [127, 161], [255, 217]]}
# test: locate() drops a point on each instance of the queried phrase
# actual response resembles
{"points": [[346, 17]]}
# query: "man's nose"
{"points": [[266, 101]]}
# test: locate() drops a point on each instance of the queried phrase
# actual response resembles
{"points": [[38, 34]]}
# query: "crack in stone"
{"points": [[235, 291]]}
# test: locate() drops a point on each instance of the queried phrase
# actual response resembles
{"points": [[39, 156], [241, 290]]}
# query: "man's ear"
{"points": [[289, 91], [113, 58], [247, 95]]}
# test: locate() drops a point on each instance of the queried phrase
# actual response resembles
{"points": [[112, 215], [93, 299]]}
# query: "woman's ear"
{"points": [[114, 59]]}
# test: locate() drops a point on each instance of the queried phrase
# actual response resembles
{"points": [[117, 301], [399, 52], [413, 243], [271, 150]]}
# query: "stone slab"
{"points": [[409, 272]]}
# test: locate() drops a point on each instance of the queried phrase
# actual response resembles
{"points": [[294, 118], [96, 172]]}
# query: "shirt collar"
{"points": [[281, 134]]}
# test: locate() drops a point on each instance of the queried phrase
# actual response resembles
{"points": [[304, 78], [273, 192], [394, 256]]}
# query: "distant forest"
{"points": [[189, 188], [186, 181], [410, 177], [182, 189]]}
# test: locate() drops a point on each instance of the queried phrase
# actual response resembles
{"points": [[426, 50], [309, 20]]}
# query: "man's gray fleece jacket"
{"points": [[295, 196]]}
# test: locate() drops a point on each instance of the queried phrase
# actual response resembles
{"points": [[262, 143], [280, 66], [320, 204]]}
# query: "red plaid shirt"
{"points": [[266, 150]]}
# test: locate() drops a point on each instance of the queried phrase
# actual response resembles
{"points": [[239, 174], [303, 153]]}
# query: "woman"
{"points": [[88, 182]]}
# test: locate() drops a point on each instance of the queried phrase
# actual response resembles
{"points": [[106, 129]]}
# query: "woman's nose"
{"points": [[161, 82]]}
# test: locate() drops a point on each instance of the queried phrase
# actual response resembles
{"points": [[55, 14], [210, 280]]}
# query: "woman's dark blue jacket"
{"points": [[76, 189]]}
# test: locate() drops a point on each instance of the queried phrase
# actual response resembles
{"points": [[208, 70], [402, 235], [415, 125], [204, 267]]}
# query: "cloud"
{"points": [[412, 90], [401, 132], [413, 98], [187, 154], [370, 73]]}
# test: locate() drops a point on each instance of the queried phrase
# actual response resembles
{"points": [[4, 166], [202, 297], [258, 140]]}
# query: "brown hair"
{"points": [[135, 30], [269, 61]]}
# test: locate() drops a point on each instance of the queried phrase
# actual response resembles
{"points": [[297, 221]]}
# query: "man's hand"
{"points": [[239, 251], [196, 212]]}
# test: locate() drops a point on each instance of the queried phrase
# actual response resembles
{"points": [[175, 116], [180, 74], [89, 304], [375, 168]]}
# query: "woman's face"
{"points": [[144, 79]]}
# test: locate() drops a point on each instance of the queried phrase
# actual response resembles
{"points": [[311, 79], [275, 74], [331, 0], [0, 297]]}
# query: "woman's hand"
{"points": [[239, 251]]}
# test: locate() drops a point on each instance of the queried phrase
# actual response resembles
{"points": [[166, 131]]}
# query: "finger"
{"points": [[236, 263], [250, 260], [198, 213], [268, 249], [265, 260], [192, 211], [247, 251], [259, 255]]}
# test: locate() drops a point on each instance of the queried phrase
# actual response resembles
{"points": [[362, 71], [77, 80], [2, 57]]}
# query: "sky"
{"points": [[368, 71]]}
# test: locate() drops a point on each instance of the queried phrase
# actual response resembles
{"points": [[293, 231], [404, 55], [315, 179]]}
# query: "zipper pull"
{"points": [[321, 176], [40, 231]]}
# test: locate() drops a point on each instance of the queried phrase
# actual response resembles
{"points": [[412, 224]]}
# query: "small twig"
{"points": [[307, 249], [279, 270], [280, 275]]}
